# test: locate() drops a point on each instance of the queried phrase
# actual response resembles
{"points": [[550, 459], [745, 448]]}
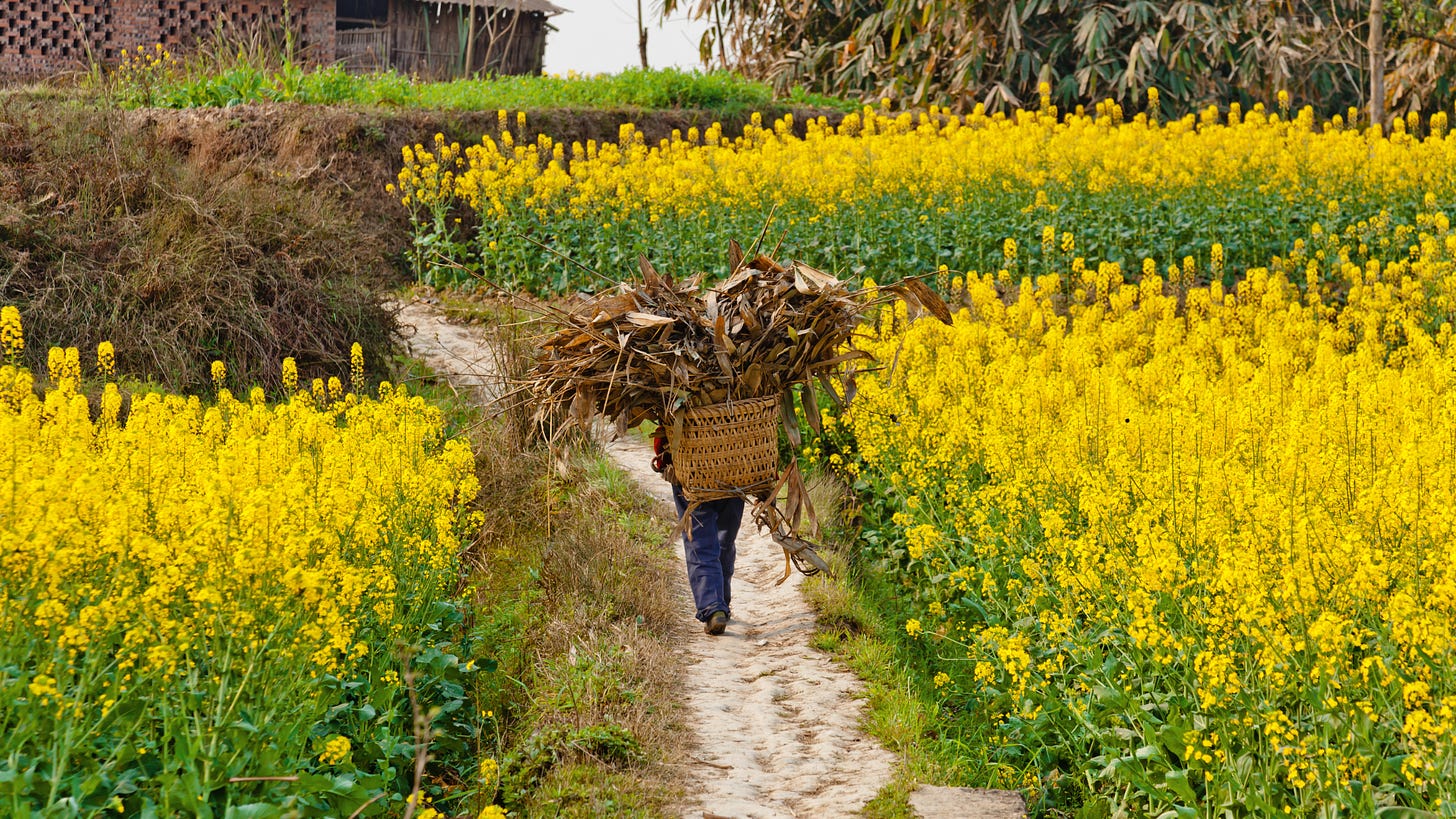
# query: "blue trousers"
{"points": [[708, 543]]}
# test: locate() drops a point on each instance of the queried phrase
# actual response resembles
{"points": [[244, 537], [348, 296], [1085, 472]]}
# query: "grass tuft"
{"points": [[205, 81], [566, 584]]}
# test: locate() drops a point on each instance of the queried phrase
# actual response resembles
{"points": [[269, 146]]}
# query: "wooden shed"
{"points": [[444, 38]]}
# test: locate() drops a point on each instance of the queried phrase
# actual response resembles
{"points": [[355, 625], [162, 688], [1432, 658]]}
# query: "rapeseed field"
{"points": [[891, 194], [1190, 544], [1170, 504], [217, 607]]}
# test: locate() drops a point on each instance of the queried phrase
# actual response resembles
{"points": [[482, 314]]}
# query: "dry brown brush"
{"points": [[107, 232]]}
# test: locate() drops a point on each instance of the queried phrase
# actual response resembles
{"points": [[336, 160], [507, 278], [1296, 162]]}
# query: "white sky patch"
{"points": [[600, 36]]}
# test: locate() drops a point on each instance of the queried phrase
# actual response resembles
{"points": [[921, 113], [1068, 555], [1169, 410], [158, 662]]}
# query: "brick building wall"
{"points": [[42, 37]]}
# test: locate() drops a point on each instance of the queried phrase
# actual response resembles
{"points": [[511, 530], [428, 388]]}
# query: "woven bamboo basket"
{"points": [[728, 450]]}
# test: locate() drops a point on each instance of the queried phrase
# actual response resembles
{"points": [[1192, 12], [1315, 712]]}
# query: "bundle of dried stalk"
{"points": [[649, 350], [652, 350]]}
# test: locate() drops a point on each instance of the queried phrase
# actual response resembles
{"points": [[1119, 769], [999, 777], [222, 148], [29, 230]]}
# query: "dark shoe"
{"points": [[717, 621]]}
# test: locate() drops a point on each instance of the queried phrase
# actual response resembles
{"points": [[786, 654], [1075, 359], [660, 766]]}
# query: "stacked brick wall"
{"points": [[50, 36], [40, 37]]}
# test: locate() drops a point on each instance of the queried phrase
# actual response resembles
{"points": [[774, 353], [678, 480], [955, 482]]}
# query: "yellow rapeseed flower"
{"points": [[105, 360], [336, 750], [1205, 482], [356, 368], [12, 334], [290, 375]]}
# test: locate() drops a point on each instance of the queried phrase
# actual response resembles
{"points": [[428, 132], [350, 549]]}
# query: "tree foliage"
{"points": [[1196, 52]]}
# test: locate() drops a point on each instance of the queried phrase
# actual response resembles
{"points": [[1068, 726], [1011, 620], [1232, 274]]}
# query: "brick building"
{"points": [[46, 37], [41, 37]]}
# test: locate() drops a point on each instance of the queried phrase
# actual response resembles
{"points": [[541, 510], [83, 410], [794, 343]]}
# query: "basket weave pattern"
{"points": [[728, 449]]}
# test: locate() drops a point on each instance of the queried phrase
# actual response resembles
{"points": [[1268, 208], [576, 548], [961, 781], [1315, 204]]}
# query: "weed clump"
{"points": [[109, 232]]}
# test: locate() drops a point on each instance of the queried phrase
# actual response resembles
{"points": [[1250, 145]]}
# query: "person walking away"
{"points": [[709, 544]]}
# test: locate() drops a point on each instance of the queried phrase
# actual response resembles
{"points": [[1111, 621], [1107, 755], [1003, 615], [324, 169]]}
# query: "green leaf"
{"points": [[1171, 736], [315, 783], [345, 785], [1178, 781], [254, 810]]}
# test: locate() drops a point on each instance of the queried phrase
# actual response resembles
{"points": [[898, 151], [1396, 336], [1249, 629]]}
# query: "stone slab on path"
{"points": [[935, 802]]}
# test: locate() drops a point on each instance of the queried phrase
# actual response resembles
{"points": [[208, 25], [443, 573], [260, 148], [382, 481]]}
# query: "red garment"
{"points": [[661, 456]]}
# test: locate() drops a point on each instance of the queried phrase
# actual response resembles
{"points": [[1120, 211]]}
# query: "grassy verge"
{"points": [[564, 585], [156, 79], [861, 616]]}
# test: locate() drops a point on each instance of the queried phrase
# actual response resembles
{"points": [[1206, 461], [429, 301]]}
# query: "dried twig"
{"points": [[359, 811], [423, 737]]}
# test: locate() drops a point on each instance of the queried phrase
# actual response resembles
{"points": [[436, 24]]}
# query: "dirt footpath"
{"points": [[776, 722], [457, 351]]}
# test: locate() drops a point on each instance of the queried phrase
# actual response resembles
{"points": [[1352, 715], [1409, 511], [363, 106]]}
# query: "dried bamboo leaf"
{"points": [[929, 300], [721, 349], [811, 407], [736, 281], [720, 336], [752, 378], [808, 281], [649, 273], [791, 424], [649, 320], [830, 390], [765, 264], [852, 355]]}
